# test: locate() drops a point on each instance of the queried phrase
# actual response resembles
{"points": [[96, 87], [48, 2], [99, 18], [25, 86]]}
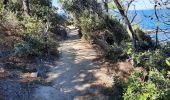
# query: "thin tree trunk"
{"points": [[127, 22], [128, 25], [107, 11], [46, 38], [157, 30], [5, 2], [25, 4], [28, 6]]}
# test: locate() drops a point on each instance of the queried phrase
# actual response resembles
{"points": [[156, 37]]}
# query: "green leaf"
{"points": [[168, 61]]}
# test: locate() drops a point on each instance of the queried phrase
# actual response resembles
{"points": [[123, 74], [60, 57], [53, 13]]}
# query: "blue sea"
{"points": [[146, 19]]}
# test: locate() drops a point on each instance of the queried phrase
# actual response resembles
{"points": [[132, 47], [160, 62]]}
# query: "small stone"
{"points": [[30, 75], [35, 74], [2, 70]]}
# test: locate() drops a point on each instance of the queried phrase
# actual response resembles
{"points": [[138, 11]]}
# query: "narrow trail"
{"points": [[75, 76]]}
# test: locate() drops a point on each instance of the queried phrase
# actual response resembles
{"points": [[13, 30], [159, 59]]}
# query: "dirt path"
{"points": [[75, 76]]}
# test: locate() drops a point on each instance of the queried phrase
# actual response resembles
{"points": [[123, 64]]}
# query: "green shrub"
{"points": [[168, 61], [155, 88], [114, 53], [28, 30], [127, 49], [144, 42], [31, 25], [90, 22], [166, 48], [122, 52], [9, 23], [151, 58], [33, 42], [35, 45]]}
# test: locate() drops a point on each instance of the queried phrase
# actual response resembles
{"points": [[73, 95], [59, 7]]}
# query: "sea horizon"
{"points": [[146, 20]]}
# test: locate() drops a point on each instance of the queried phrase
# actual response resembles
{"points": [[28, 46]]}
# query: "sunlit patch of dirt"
{"points": [[4, 74], [76, 75], [33, 80], [91, 96], [118, 69]]}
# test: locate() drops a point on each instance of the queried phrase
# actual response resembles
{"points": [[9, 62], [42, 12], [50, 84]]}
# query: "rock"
{"points": [[2, 70], [35, 74], [30, 75]]}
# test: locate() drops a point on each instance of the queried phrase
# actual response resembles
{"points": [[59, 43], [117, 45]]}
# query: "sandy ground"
{"points": [[75, 76]]}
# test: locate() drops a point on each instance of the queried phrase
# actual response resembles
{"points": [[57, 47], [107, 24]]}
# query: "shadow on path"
{"points": [[74, 76]]}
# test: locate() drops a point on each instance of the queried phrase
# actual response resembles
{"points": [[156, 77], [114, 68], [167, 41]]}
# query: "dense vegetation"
{"points": [[28, 29], [97, 26], [26, 25]]}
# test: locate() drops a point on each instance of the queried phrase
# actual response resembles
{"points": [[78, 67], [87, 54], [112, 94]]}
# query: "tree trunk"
{"points": [[5, 2], [107, 11], [28, 6], [26, 9], [46, 38], [128, 25], [157, 30], [127, 22]]}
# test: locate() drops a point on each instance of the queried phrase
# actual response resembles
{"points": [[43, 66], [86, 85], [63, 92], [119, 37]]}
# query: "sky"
{"points": [[139, 4], [56, 4]]}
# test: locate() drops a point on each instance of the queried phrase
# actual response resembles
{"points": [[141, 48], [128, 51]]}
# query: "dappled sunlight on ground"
{"points": [[74, 74]]}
